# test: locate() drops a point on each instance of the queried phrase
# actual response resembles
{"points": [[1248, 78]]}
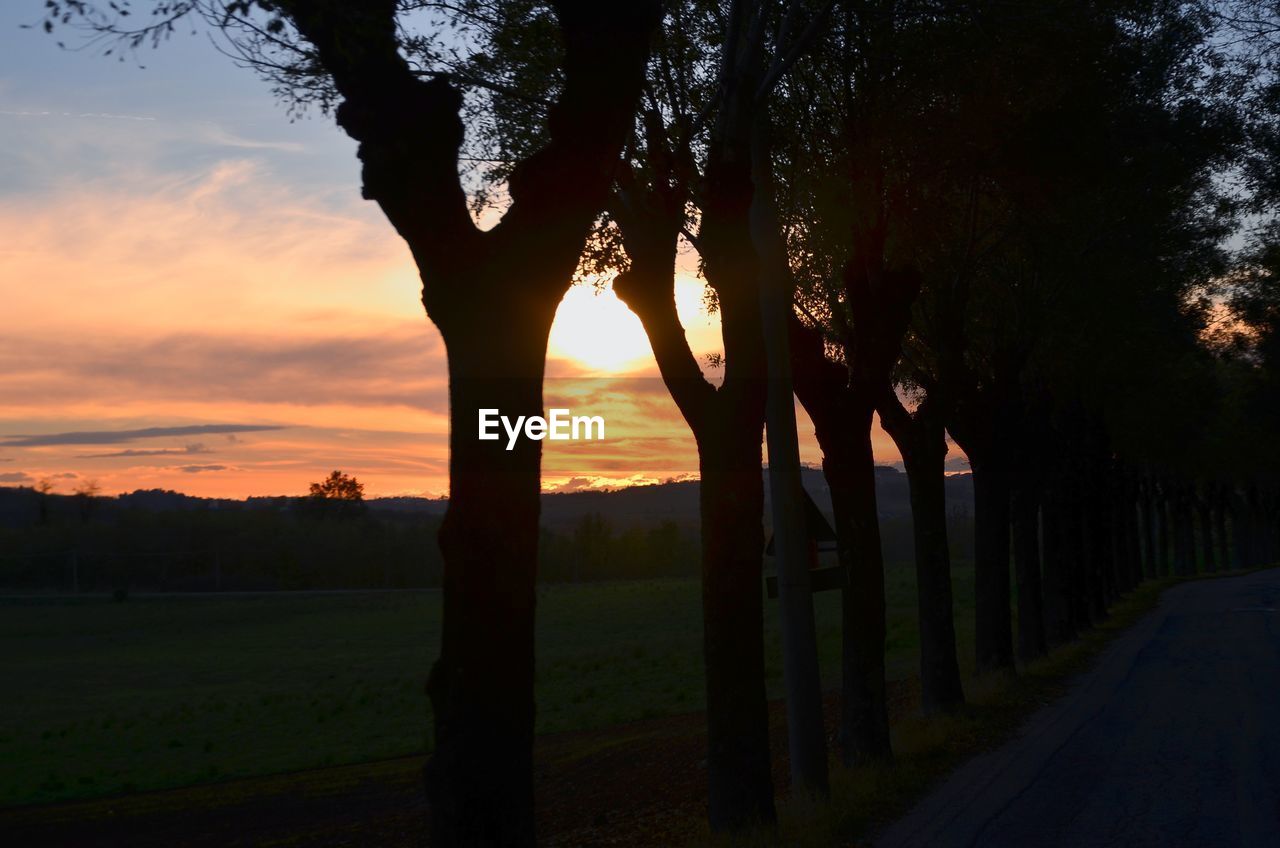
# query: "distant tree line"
{"points": [[51, 543], [293, 544]]}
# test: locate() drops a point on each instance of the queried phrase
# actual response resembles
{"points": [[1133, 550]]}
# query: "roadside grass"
{"points": [[927, 749], [108, 698]]}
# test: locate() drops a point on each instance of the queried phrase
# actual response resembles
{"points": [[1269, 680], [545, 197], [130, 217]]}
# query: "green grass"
{"points": [[104, 698]]}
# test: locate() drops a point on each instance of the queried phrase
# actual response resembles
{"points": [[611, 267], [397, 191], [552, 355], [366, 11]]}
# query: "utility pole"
{"points": [[806, 732]]}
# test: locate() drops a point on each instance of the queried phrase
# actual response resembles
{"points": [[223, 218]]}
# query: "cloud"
{"points": [[219, 136], [111, 437], [15, 477], [596, 483], [399, 364], [102, 115], [164, 451], [197, 469]]}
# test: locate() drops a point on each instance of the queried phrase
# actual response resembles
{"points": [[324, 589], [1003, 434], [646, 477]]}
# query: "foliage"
{"points": [[338, 486]]}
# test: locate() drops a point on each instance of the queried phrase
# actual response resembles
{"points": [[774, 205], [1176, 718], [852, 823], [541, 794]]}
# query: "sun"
{"points": [[596, 330]]}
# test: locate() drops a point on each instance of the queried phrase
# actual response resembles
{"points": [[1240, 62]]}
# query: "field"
{"points": [[158, 692]]}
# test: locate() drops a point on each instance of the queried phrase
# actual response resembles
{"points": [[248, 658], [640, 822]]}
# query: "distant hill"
{"points": [[678, 501], [635, 506]]}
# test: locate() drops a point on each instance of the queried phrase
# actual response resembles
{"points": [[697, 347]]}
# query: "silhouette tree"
{"points": [[86, 494], [43, 488], [726, 176], [403, 96], [338, 487], [339, 495], [856, 289]]}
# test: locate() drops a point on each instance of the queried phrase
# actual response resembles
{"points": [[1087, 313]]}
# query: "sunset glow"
{"points": [[181, 255]]}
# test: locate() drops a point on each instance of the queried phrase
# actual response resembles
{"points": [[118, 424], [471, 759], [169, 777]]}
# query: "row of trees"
{"points": [[163, 541], [1002, 222]]}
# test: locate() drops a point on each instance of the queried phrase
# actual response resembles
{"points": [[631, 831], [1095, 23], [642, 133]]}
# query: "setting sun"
{"points": [[596, 330]]}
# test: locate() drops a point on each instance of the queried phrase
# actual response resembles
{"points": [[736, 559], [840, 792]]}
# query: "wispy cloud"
{"points": [[198, 469], [15, 477], [220, 136], [50, 114], [111, 437], [400, 365], [189, 449]]}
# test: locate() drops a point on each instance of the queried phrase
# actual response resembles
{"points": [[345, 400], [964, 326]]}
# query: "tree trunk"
{"points": [[493, 294], [1026, 556], [1096, 502], [1220, 528], [727, 425], [1075, 538], [849, 467], [1207, 549], [921, 441], [480, 776], [1058, 618], [1133, 528], [1241, 531], [1150, 557], [993, 634], [1183, 535], [732, 502], [1167, 524], [806, 732]]}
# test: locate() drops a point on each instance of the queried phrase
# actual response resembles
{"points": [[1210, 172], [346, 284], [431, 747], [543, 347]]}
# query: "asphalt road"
{"points": [[1173, 740]]}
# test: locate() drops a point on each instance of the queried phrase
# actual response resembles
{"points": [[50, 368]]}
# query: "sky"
{"points": [[193, 296]]}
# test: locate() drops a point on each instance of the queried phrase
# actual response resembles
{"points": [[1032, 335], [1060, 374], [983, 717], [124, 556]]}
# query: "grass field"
{"points": [[104, 697]]}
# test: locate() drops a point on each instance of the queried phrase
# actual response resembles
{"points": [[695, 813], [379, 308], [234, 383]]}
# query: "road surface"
{"points": [[1172, 740]]}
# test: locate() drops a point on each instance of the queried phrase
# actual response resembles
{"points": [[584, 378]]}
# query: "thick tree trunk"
{"points": [[1167, 533], [1269, 527], [921, 441], [981, 426], [1122, 536], [1076, 543], [1098, 557], [1208, 553], [1241, 531], [493, 294], [1026, 556], [729, 443], [1183, 535], [727, 425], [993, 634], [1220, 528], [1150, 556], [1059, 622], [842, 424], [732, 502], [1133, 529], [480, 776], [850, 471]]}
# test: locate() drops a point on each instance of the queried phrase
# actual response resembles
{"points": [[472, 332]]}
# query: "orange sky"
{"points": [[198, 287]]}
